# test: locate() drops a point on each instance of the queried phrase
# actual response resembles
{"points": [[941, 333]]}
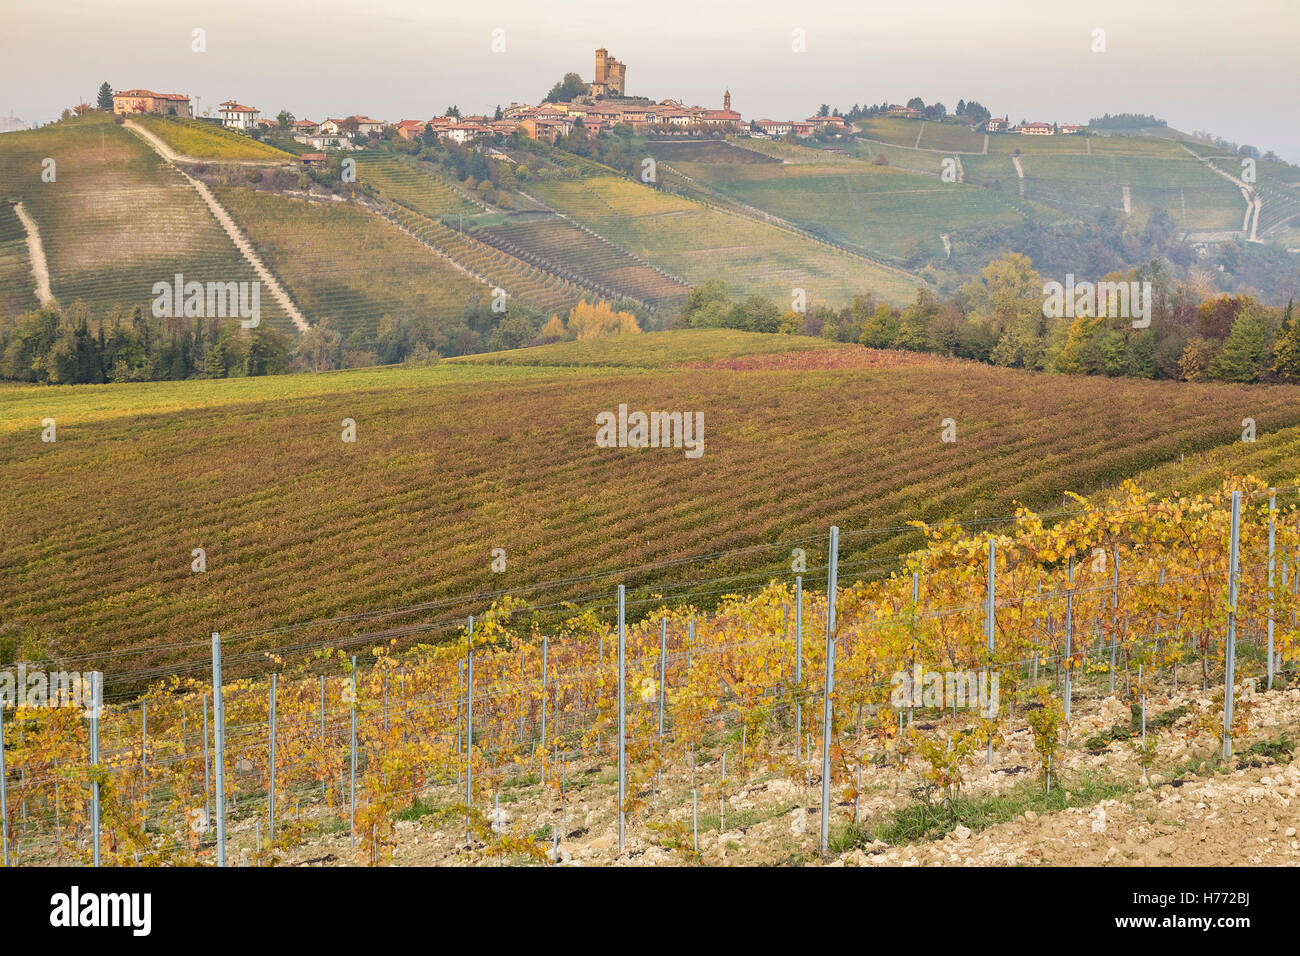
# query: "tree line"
{"points": [[999, 318]]}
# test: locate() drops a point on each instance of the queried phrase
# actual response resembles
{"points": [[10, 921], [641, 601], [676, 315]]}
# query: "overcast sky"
{"points": [[1226, 67]]}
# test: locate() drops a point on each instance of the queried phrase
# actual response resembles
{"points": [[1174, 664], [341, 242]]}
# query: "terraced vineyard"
{"points": [[117, 219], [204, 140], [17, 285], [414, 185], [298, 525], [696, 243], [540, 288], [559, 246], [344, 264]]}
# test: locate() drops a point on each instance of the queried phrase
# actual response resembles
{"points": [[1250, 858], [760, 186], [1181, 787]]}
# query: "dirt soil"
{"points": [[1246, 812]]}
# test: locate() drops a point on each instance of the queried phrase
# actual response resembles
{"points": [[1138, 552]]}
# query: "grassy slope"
{"points": [[698, 243], [117, 219], [207, 141], [455, 460]]}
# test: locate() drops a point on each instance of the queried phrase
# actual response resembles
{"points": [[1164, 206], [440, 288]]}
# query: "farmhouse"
{"points": [[996, 124], [1036, 129], [236, 116], [146, 101], [906, 112]]}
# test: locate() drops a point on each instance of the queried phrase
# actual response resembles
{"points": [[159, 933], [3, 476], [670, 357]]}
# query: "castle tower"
{"points": [[601, 55], [726, 100]]}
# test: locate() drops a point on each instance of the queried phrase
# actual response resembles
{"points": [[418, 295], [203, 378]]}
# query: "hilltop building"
{"points": [[1036, 129], [611, 75], [147, 101]]}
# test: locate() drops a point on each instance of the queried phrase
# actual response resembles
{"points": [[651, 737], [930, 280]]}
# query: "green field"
{"points": [[117, 218], [867, 207], [454, 460], [202, 140]]}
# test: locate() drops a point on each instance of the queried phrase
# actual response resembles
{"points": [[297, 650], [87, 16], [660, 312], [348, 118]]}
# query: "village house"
{"points": [[776, 128], [237, 116], [835, 123], [410, 129], [146, 101], [303, 127], [1071, 129], [996, 124], [905, 112], [365, 125], [1036, 129]]}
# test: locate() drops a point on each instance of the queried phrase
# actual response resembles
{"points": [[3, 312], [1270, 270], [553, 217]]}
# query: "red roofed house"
{"points": [[410, 129]]}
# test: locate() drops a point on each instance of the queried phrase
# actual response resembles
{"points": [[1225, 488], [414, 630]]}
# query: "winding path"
{"points": [[227, 223], [36, 254]]}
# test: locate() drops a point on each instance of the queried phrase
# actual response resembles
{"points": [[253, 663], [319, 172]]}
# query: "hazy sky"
{"points": [[1227, 67]]}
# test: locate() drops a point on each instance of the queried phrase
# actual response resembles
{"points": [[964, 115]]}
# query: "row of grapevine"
{"points": [[1122, 596]]}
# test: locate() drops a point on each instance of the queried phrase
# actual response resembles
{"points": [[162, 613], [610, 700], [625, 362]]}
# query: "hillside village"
{"points": [[600, 105]]}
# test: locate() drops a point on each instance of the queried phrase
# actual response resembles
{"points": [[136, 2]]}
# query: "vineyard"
{"points": [[692, 241], [1111, 627], [347, 266], [111, 191], [456, 459]]}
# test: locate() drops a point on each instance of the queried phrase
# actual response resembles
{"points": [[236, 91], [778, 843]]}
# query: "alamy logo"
{"points": [[947, 690], [653, 430], [38, 688], [1116, 300], [73, 909], [216, 300]]}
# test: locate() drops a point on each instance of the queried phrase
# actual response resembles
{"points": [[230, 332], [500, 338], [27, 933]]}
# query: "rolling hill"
{"points": [[117, 218]]}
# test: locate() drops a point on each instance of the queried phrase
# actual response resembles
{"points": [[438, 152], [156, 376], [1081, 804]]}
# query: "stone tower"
{"points": [[726, 100], [611, 75]]}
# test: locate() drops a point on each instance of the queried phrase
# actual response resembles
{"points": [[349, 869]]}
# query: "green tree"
{"points": [[1286, 354], [105, 99], [1248, 352], [568, 88], [285, 119]]}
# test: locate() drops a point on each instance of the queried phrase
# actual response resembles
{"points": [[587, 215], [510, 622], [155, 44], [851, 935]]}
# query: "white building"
{"points": [[235, 116]]}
